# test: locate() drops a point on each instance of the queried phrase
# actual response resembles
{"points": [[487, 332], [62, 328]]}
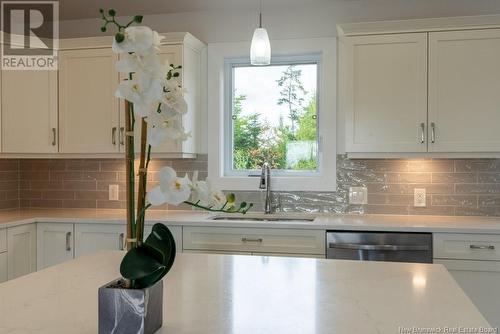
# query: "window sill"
{"points": [[278, 183]]}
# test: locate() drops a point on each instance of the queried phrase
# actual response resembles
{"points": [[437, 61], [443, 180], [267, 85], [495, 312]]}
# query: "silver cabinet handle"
{"points": [[68, 241], [113, 135], [122, 241], [122, 137], [433, 132], [252, 239], [54, 133], [379, 247], [482, 247], [422, 133]]}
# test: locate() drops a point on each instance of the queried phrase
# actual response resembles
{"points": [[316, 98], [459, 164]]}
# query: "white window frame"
{"points": [[220, 57], [230, 64]]}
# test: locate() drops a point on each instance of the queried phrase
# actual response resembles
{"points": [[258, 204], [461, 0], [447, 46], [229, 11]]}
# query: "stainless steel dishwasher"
{"points": [[379, 246]]}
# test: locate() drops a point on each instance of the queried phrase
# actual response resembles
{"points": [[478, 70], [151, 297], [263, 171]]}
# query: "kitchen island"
{"points": [[206, 293]]}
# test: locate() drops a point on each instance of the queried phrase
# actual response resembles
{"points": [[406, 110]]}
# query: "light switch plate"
{"points": [[113, 192], [358, 195], [419, 197]]}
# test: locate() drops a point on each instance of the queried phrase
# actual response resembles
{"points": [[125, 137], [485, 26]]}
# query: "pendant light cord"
{"points": [[260, 14]]}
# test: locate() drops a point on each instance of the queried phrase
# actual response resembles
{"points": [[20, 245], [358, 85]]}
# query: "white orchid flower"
{"points": [[147, 63], [142, 91], [200, 190], [138, 39], [174, 97], [217, 198], [172, 189], [163, 126]]}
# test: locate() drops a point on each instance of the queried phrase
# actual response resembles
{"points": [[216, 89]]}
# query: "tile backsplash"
{"points": [[454, 186]]}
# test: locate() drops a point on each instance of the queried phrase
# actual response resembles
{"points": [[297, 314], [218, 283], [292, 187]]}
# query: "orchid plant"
{"points": [[154, 98]]}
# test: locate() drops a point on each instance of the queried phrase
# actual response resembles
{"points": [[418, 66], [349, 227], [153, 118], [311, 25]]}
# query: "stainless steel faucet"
{"points": [[265, 184]]}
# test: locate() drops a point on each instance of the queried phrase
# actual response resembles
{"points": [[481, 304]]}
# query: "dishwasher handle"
{"points": [[385, 247]]}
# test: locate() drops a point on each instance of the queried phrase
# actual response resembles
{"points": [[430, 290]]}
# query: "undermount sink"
{"points": [[263, 219]]}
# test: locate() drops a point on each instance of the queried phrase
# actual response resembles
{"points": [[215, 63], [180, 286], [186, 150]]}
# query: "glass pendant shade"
{"points": [[260, 50]]}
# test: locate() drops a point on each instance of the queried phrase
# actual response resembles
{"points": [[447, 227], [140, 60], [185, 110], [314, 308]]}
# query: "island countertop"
{"points": [[249, 294]]}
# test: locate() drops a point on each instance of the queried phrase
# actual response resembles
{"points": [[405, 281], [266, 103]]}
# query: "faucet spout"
{"points": [[265, 184]]}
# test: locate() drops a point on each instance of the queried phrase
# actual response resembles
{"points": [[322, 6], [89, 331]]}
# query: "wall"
{"points": [[84, 183], [454, 187], [9, 183]]}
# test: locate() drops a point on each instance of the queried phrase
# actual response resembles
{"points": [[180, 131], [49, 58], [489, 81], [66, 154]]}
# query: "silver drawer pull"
{"points": [[379, 247], [482, 247], [252, 239], [68, 241]]}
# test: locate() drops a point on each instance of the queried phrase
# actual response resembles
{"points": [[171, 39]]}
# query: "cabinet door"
{"points": [[54, 244], [21, 250], [384, 95], [479, 280], [88, 108], [91, 238], [3, 267], [29, 112], [464, 85]]}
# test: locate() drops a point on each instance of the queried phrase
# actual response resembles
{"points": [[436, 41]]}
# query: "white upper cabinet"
{"points": [[185, 50], [464, 91], [88, 108], [383, 91], [29, 112]]}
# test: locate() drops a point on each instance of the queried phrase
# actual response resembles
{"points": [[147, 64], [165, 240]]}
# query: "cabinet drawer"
{"points": [[3, 240], [467, 246], [254, 240], [3, 267]]}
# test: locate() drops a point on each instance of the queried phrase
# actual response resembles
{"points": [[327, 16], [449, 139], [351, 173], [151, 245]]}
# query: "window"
{"points": [[284, 113], [273, 116]]}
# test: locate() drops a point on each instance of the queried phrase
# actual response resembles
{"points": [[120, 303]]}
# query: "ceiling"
{"points": [[81, 9], [86, 9]]}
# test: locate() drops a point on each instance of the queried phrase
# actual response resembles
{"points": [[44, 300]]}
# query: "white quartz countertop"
{"points": [[249, 294], [422, 223]]}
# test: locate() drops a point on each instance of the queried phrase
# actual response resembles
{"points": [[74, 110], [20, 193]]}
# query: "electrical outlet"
{"points": [[419, 197], [113, 192], [358, 195]]}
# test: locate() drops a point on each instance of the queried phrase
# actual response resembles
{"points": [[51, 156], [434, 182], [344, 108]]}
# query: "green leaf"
{"points": [[148, 263], [101, 10], [112, 12], [138, 18], [243, 204], [176, 74], [169, 75], [103, 29], [231, 198], [119, 37]]}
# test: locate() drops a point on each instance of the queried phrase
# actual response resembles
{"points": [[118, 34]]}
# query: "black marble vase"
{"points": [[127, 311]]}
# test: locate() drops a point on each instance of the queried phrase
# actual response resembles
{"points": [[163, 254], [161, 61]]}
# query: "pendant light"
{"points": [[260, 50]]}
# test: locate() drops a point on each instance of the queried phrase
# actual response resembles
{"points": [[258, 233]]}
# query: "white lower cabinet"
{"points": [[3, 267], [263, 241], [21, 250], [54, 244], [91, 238], [473, 261], [480, 280]]}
